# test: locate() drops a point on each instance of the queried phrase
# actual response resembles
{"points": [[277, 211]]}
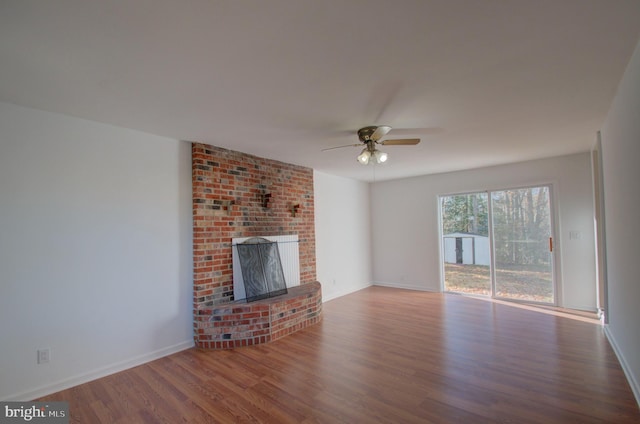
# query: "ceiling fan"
{"points": [[370, 136]]}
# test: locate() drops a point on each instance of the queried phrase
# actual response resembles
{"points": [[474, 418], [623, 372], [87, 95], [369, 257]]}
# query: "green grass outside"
{"points": [[528, 284]]}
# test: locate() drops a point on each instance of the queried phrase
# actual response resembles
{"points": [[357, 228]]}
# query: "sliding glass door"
{"points": [[465, 243], [499, 244], [522, 244]]}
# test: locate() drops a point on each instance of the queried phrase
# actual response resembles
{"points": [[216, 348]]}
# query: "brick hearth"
{"points": [[244, 324]]}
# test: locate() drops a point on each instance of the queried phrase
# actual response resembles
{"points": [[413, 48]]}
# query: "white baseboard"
{"points": [[635, 387], [98, 373], [334, 295], [406, 286], [328, 295], [585, 308]]}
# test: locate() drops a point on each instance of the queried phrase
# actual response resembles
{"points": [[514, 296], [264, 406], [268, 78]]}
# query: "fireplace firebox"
{"points": [[261, 269]]}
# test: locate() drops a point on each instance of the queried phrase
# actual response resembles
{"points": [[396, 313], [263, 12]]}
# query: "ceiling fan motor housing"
{"points": [[366, 134]]}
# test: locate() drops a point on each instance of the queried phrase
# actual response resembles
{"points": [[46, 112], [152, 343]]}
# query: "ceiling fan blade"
{"points": [[380, 132], [340, 147], [401, 142]]}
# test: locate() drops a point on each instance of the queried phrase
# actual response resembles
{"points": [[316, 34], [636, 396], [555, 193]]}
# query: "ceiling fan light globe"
{"points": [[364, 157], [380, 157]]}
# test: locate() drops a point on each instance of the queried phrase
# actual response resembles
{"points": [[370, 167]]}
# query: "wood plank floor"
{"points": [[383, 355]]}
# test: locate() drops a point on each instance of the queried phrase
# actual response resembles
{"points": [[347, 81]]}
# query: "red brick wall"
{"points": [[229, 201]]}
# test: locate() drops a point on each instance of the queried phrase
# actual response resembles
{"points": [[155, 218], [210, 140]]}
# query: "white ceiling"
{"points": [[487, 81]]}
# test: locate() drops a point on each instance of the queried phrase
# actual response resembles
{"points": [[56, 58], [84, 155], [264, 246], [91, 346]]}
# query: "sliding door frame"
{"points": [[552, 228]]}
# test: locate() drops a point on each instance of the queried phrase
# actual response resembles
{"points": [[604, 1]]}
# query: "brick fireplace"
{"points": [[239, 195]]}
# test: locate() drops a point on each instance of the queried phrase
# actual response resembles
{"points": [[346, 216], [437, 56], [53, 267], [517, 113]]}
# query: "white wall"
{"points": [[95, 249], [343, 234], [406, 243], [621, 175]]}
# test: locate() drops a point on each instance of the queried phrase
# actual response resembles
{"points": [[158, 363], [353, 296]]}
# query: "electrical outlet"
{"points": [[44, 355]]}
